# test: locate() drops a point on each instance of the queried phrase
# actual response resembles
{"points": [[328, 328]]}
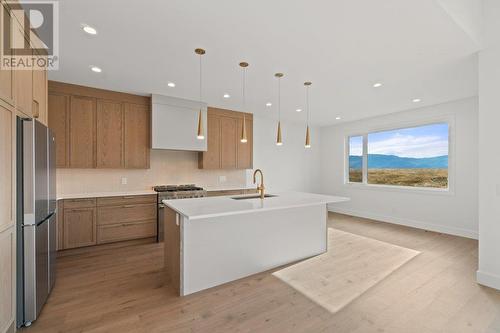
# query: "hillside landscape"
{"points": [[402, 171]]}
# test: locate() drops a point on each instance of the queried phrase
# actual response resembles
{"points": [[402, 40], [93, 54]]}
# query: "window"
{"points": [[356, 159], [414, 157]]}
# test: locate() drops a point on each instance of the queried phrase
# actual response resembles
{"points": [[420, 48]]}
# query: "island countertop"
{"points": [[199, 208]]}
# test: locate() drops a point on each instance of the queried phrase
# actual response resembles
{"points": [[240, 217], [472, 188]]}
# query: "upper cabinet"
{"points": [[6, 74], [175, 123], [225, 149], [82, 132], [59, 123], [136, 124], [97, 128], [109, 134]]}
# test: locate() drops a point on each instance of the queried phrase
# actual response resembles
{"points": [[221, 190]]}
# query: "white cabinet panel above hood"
{"points": [[175, 123]]}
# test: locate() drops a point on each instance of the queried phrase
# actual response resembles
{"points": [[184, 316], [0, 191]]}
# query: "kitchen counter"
{"points": [[214, 240], [199, 208], [104, 194]]}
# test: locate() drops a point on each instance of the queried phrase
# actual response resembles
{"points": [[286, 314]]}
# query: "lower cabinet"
{"points": [[80, 228], [125, 231], [91, 221]]}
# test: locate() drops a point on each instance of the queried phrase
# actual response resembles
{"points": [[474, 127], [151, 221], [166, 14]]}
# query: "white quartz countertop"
{"points": [[199, 208], [103, 194]]}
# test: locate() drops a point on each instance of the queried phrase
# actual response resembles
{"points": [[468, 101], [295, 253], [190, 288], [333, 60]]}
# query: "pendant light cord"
{"points": [[200, 78], [279, 99], [243, 87], [307, 104]]}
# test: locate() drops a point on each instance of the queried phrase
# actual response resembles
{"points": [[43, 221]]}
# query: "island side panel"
{"points": [[172, 248], [221, 249]]}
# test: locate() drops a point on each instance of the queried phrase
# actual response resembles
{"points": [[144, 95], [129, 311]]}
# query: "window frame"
{"points": [[446, 119]]}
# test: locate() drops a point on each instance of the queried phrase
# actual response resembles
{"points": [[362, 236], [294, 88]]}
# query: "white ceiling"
{"points": [[414, 47]]}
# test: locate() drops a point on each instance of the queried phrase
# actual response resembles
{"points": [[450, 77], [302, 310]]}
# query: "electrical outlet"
{"points": [[124, 180], [222, 179]]}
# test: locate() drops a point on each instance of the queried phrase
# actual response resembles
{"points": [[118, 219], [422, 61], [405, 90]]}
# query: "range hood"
{"points": [[174, 123]]}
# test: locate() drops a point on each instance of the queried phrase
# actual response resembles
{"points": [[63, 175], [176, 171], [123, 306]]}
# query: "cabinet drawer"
{"points": [[79, 203], [125, 231], [126, 213], [126, 200]]}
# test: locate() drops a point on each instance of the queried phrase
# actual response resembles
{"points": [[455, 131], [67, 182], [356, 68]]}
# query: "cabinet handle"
{"points": [[129, 197], [36, 109], [128, 206]]}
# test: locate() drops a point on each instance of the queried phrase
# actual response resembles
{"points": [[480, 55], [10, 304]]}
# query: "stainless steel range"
{"points": [[169, 192]]}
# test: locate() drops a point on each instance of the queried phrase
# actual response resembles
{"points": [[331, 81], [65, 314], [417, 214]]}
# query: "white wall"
{"points": [[489, 152], [290, 166], [453, 213]]}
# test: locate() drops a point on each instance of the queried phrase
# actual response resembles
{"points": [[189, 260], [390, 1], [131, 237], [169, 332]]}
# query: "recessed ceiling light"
{"points": [[95, 69], [299, 110], [90, 30], [338, 118], [416, 100], [171, 84], [268, 104], [226, 96], [377, 85]]}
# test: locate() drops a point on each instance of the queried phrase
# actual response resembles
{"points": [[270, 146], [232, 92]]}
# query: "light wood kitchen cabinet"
{"points": [[60, 225], [137, 136], [59, 123], [126, 231], [40, 96], [244, 159], [23, 91], [6, 86], [80, 227], [109, 134], [6, 75], [228, 142], [211, 158], [82, 132], [6, 166], [97, 128], [92, 221], [225, 151], [126, 213], [7, 217]]}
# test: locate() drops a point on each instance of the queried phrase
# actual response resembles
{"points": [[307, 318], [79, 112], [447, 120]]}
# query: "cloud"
{"points": [[409, 146]]}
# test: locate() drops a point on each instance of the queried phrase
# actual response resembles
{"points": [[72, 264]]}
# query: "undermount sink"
{"points": [[254, 197]]}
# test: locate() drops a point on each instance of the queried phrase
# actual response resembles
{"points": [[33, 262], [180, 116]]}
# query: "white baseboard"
{"points": [[488, 279], [409, 223]]}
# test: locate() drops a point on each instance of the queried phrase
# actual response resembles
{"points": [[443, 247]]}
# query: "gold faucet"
{"points": [[260, 188]]}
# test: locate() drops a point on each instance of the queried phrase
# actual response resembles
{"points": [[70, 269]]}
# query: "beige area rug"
{"points": [[352, 265]]}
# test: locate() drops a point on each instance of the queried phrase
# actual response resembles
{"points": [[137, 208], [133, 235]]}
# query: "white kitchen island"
{"points": [[211, 241]]}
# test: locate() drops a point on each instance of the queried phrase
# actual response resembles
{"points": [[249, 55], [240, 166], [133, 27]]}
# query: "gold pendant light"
{"points": [[200, 133], [279, 141], [308, 136], [243, 138]]}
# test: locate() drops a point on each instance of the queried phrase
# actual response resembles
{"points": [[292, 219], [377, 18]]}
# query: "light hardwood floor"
{"points": [[123, 290]]}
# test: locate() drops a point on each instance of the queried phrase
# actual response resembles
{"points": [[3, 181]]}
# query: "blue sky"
{"points": [[419, 142]]}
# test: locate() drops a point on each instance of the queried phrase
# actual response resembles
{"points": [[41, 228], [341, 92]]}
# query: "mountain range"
{"points": [[380, 161]]}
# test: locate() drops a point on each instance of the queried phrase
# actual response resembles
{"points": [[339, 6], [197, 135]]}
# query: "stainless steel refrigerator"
{"points": [[36, 218]]}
